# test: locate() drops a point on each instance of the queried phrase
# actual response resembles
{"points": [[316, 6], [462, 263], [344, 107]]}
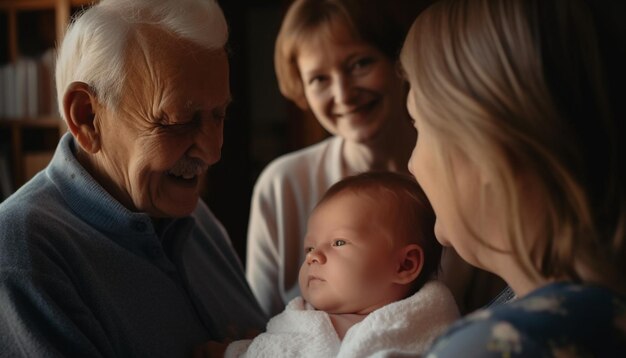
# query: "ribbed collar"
{"points": [[90, 201]]}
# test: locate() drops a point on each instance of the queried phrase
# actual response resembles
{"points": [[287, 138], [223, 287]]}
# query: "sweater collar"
{"points": [[88, 199]]}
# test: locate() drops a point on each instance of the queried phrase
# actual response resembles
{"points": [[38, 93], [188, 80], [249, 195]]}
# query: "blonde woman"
{"points": [[521, 153]]}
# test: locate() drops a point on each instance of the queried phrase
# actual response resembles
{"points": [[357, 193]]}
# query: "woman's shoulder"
{"points": [[560, 318], [311, 160], [305, 156]]}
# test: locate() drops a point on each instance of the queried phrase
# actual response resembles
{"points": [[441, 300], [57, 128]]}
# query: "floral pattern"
{"points": [[558, 320]]}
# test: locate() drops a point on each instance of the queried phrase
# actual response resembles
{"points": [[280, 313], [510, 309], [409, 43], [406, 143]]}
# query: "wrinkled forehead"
{"points": [[154, 45], [157, 55], [165, 72]]}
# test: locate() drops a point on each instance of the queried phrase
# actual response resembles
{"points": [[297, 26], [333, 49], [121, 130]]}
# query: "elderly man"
{"points": [[109, 251]]}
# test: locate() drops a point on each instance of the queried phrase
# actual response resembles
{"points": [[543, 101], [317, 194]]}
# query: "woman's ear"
{"points": [[79, 104], [410, 263]]}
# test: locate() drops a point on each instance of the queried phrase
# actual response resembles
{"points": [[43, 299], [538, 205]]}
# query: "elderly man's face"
{"points": [[169, 128]]}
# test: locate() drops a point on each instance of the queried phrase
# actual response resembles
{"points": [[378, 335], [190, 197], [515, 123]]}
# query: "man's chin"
{"points": [[174, 209], [177, 198]]}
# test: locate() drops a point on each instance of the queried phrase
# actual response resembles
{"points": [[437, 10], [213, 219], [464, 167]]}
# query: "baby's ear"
{"points": [[410, 263]]}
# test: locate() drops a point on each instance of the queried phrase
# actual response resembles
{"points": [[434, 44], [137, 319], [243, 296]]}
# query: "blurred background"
{"points": [[260, 126]]}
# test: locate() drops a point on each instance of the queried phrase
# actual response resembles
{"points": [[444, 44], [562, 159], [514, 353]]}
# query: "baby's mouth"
{"points": [[315, 278]]}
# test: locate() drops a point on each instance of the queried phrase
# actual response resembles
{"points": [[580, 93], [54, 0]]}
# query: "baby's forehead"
{"points": [[350, 205], [350, 199]]}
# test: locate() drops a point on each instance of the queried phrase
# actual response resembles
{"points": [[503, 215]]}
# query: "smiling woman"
{"points": [[351, 87]]}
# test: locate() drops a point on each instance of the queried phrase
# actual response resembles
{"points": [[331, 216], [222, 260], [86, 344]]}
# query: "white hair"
{"points": [[94, 48]]}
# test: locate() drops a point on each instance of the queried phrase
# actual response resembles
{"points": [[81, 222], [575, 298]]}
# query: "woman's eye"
{"points": [[362, 64], [316, 80], [339, 242]]}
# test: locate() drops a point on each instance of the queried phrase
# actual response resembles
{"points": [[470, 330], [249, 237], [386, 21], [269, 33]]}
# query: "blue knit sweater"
{"points": [[80, 275]]}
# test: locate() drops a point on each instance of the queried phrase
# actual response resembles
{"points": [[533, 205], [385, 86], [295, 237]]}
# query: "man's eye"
{"points": [[219, 115], [339, 242]]}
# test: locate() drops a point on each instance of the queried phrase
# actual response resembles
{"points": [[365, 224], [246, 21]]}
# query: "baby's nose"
{"points": [[315, 256]]}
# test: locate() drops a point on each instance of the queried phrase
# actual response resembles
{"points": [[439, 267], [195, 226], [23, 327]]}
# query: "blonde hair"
{"points": [[523, 87], [94, 49], [378, 24]]}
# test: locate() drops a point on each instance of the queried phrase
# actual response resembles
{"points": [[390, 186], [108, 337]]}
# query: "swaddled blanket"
{"points": [[409, 325]]}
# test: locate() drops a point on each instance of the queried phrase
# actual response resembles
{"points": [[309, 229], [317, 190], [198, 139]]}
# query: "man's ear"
{"points": [[79, 107], [410, 263]]}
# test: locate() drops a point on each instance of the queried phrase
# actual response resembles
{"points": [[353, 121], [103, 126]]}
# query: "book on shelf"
{"points": [[8, 92], [27, 88], [2, 99], [6, 184]]}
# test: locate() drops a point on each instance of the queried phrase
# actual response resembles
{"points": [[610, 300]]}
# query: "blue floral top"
{"points": [[557, 320]]}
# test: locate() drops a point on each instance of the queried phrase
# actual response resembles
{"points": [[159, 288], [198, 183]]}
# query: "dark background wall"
{"points": [[261, 124]]}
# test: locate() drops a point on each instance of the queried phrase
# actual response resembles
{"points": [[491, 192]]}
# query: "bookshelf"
{"points": [[30, 125]]}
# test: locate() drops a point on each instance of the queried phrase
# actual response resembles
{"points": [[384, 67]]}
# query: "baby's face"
{"points": [[350, 259]]}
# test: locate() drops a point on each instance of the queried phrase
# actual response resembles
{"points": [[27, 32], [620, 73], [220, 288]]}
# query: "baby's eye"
{"points": [[308, 249], [339, 242]]}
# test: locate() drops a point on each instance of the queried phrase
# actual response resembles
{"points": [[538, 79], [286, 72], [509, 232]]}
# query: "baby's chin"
{"points": [[319, 305], [332, 307]]}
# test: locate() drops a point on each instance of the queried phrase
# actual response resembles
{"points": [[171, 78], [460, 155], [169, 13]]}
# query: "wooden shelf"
{"points": [[43, 122], [30, 27], [28, 138], [62, 10], [40, 4]]}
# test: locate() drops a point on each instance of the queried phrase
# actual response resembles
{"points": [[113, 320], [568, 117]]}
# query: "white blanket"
{"points": [[406, 326]]}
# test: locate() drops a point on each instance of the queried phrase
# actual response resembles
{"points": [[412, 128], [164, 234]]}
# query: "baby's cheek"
{"points": [[301, 280]]}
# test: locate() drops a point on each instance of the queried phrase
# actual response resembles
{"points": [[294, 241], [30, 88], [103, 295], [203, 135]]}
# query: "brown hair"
{"points": [[407, 202], [380, 23]]}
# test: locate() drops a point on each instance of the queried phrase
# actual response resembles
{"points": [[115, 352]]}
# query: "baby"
{"points": [[367, 280]]}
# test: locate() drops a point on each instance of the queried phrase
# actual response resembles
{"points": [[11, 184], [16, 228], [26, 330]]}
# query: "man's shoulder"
{"points": [[31, 205]]}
